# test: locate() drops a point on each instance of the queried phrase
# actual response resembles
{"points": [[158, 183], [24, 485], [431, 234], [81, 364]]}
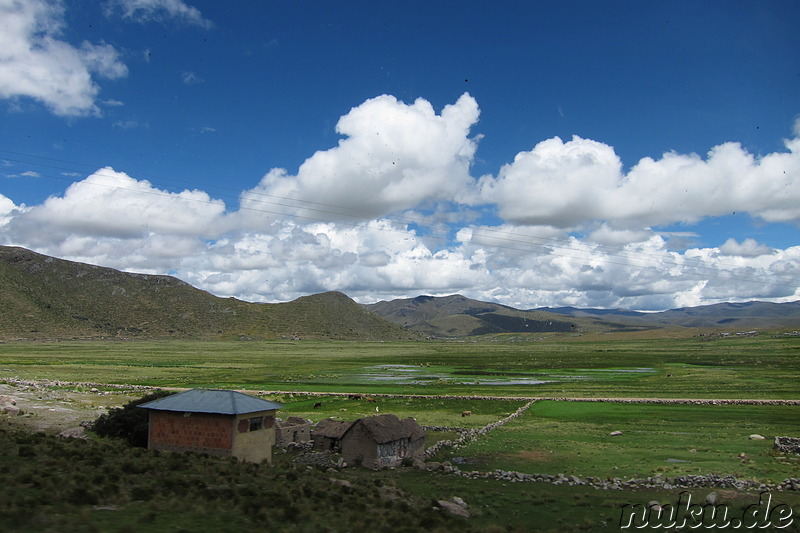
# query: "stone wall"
{"points": [[787, 444]]}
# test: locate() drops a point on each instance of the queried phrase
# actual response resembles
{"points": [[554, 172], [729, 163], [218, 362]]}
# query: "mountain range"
{"points": [[47, 298]]}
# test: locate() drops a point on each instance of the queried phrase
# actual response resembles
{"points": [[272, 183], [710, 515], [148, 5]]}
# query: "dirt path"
{"points": [[45, 407]]}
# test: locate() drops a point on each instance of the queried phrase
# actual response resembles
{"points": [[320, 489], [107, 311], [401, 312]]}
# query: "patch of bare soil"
{"points": [[42, 406], [539, 457]]}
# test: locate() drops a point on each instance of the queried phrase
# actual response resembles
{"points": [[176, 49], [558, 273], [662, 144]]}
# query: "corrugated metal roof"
{"points": [[226, 402]]}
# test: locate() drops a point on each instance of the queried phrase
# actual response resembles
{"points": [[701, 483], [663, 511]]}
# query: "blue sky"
{"points": [[623, 154]]}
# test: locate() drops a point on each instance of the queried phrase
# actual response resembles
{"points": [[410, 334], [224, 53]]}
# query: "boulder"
{"points": [[7, 400], [12, 410], [458, 501], [452, 508], [615, 434], [756, 436], [73, 433]]}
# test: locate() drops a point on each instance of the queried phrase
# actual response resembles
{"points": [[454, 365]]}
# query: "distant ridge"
{"points": [[43, 298], [746, 315], [458, 316], [47, 298]]}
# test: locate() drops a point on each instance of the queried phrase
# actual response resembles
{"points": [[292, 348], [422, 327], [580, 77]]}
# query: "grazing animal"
{"points": [[369, 399], [465, 413], [317, 405]]}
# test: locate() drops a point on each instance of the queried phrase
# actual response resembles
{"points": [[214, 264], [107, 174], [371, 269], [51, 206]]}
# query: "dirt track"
{"points": [[53, 409]]}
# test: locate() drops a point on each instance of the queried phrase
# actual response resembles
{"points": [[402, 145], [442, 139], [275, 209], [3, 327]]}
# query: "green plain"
{"points": [[746, 368], [568, 437]]}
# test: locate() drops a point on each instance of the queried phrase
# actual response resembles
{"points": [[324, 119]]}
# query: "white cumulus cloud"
{"points": [[392, 211], [35, 63], [394, 156], [747, 248], [570, 184], [112, 205]]}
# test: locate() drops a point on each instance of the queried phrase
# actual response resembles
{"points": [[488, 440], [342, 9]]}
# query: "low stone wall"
{"points": [[654, 482], [787, 444], [470, 434]]}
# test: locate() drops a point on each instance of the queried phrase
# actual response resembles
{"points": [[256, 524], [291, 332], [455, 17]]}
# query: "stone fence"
{"points": [[467, 435], [787, 444]]}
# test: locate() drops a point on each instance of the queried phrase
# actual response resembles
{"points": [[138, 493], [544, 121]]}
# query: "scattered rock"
{"points": [[7, 400], [711, 499], [458, 501], [12, 410], [451, 508], [73, 433], [342, 482]]}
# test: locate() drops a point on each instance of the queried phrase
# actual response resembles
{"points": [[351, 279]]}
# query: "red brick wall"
{"points": [[202, 432]]}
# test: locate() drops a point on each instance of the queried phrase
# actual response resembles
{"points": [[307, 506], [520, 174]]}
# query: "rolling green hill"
{"points": [[47, 298]]}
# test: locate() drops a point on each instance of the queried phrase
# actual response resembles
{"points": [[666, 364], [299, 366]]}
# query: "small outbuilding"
{"points": [[328, 433], [383, 441], [220, 422], [294, 430]]}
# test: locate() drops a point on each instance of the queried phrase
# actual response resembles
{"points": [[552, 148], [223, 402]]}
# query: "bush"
{"points": [[129, 422]]}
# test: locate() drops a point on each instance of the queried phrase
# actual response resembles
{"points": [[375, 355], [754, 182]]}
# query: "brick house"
{"points": [[220, 422], [383, 441]]}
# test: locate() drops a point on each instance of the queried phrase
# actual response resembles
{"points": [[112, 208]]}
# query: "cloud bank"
{"points": [[393, 211]]}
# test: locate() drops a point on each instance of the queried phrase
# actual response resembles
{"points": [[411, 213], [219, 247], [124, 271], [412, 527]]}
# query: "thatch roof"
{"points": [[331, 428], [388, 428]]}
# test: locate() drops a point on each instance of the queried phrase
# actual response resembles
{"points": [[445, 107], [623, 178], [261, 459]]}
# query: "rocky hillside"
{"points": [[47, 298]]}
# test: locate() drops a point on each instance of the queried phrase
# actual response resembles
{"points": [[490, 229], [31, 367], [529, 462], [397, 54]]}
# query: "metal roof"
{"points": [[225, 402]]}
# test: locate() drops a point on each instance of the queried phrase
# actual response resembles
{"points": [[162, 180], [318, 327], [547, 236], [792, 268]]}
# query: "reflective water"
{"points": [[426, 375]]}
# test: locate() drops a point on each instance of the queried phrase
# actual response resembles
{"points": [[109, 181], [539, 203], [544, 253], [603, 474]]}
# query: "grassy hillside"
{"points": [[46, 298]]}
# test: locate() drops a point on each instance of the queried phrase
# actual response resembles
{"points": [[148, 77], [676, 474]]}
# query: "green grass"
{"points": [[521, 507], [552, 437], [573, 438], [69, 485], [76, 486], [762, 367]]}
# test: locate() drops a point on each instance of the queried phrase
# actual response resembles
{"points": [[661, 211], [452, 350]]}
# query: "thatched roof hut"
{"points": [[382, 441]]}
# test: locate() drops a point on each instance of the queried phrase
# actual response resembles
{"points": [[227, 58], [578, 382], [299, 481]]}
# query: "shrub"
{"points": [[129, 422]]}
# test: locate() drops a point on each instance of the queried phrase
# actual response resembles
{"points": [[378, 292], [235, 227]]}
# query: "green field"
{"points": [[760, 367], [671, 440], [552, 437]]}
